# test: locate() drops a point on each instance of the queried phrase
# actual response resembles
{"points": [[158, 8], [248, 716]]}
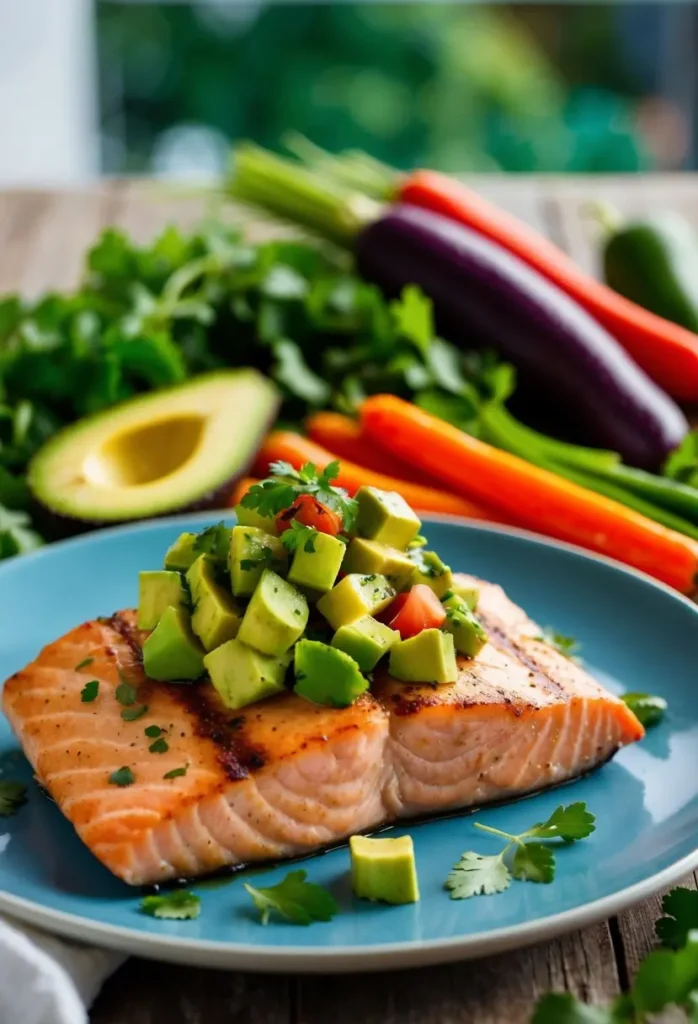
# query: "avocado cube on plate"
{"points": [[325, 675], [181, 554], [468, 634], [242, 675], [275, 617], [384, 869], [430, 570], [355, 596], [470, 592], [428, 657], [317, 569], [251, 517], [158, 590], [172, 652], [215, 618], [370, 556], [251, 551], [366, 641], [386, 517]]}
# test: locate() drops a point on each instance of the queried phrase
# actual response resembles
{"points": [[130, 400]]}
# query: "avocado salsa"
{"points": [[310, 584]]}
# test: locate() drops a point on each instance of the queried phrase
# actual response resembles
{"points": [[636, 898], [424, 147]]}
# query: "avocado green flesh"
{"points": [[156, 592], [385, 516], [242, 675], [156, 453], [251, 551], [180, 555], [275, 617], [317, 570], [384, 869], [429, 657], [325, 675], [215, 617], [468, 634], [366, 641], [469, 592], [431, 571], [251, 517], [353, 597], [172, 652], [370, 556]]}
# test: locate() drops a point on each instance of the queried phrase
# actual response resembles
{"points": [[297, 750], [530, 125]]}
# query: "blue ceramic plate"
{"points": [[635, 635]]}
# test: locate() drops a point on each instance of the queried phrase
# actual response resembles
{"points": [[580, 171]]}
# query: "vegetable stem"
{"points": [[496, 832]]}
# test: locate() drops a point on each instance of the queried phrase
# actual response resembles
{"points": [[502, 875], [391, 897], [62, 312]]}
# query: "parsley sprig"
{"points": [[286, 483], [180, 905], [299, 536], [649, 709], [526, 856], [666, 977], [295, 900]]}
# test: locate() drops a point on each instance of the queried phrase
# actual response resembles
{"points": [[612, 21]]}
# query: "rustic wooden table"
{"points": [[42, 239]]}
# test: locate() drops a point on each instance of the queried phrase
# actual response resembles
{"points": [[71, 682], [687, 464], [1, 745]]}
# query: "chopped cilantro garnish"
{"points": [[179, 905], [132, 714], [12, 796], [84, 663], [126, 693], [286, 483], [159, 746], [299, 535], [89, 691], [214, 541], [152, 731], [566, 645], [176, 772], [122, 777], [264, 557]]}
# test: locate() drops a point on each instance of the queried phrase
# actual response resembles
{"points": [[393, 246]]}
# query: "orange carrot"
{"points": [[285, 446], [537, 498], [240, 490], [344, 437]]}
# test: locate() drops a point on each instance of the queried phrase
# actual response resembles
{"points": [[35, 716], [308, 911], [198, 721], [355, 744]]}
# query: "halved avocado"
{"points": [[176, 449]]}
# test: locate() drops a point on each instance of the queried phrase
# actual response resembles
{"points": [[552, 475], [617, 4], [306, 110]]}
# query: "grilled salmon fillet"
{"points": [[285, 777]]}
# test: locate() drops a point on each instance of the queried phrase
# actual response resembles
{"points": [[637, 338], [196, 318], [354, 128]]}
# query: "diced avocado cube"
{"points": [[366, 641], [242, 675], [215, 616], [355, 596], [251, 517], [370, 556], [325, 675], [386, 517], [428, 657], [251, 551], [384, 869], [181, 554], [275, 617], [470, 592], [317, 569], [157, 591], [172, 652], [429, 569], [468, 634]]}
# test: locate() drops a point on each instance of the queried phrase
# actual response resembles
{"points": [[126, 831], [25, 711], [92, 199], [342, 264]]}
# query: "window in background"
{"points": [[551, 87]]}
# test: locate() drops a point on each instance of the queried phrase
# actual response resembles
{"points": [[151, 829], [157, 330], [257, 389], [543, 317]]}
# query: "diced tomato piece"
{"points": [[308, 511], [416, 610]]}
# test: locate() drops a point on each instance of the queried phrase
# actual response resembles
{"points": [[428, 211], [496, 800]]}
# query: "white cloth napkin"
{"points": [[47, 980]]}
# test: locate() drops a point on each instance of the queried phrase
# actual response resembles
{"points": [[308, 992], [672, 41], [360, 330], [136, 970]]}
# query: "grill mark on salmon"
{"points": [[287, 778]]}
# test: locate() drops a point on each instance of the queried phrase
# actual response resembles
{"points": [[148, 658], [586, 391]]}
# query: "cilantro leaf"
{"points": [[566, 645], [264, 557], [412, 314], [214, 541], [666, 977], [12, 796], [564, 1008], [476, 875], [122, 777], [298, 536], [681, 909], [270, 497], [175, 773], [83, 664], [159, 746], [569, 823], [293, 373], [649, 709], [534, 862], [126, 693], [294, 899], [152, 731], [179, 905], [89, 691]]}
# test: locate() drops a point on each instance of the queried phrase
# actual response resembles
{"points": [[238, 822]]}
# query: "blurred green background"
{"points": [[552, 87]]}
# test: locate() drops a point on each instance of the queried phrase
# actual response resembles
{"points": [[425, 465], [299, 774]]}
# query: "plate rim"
{"points": [[346, 959]]}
